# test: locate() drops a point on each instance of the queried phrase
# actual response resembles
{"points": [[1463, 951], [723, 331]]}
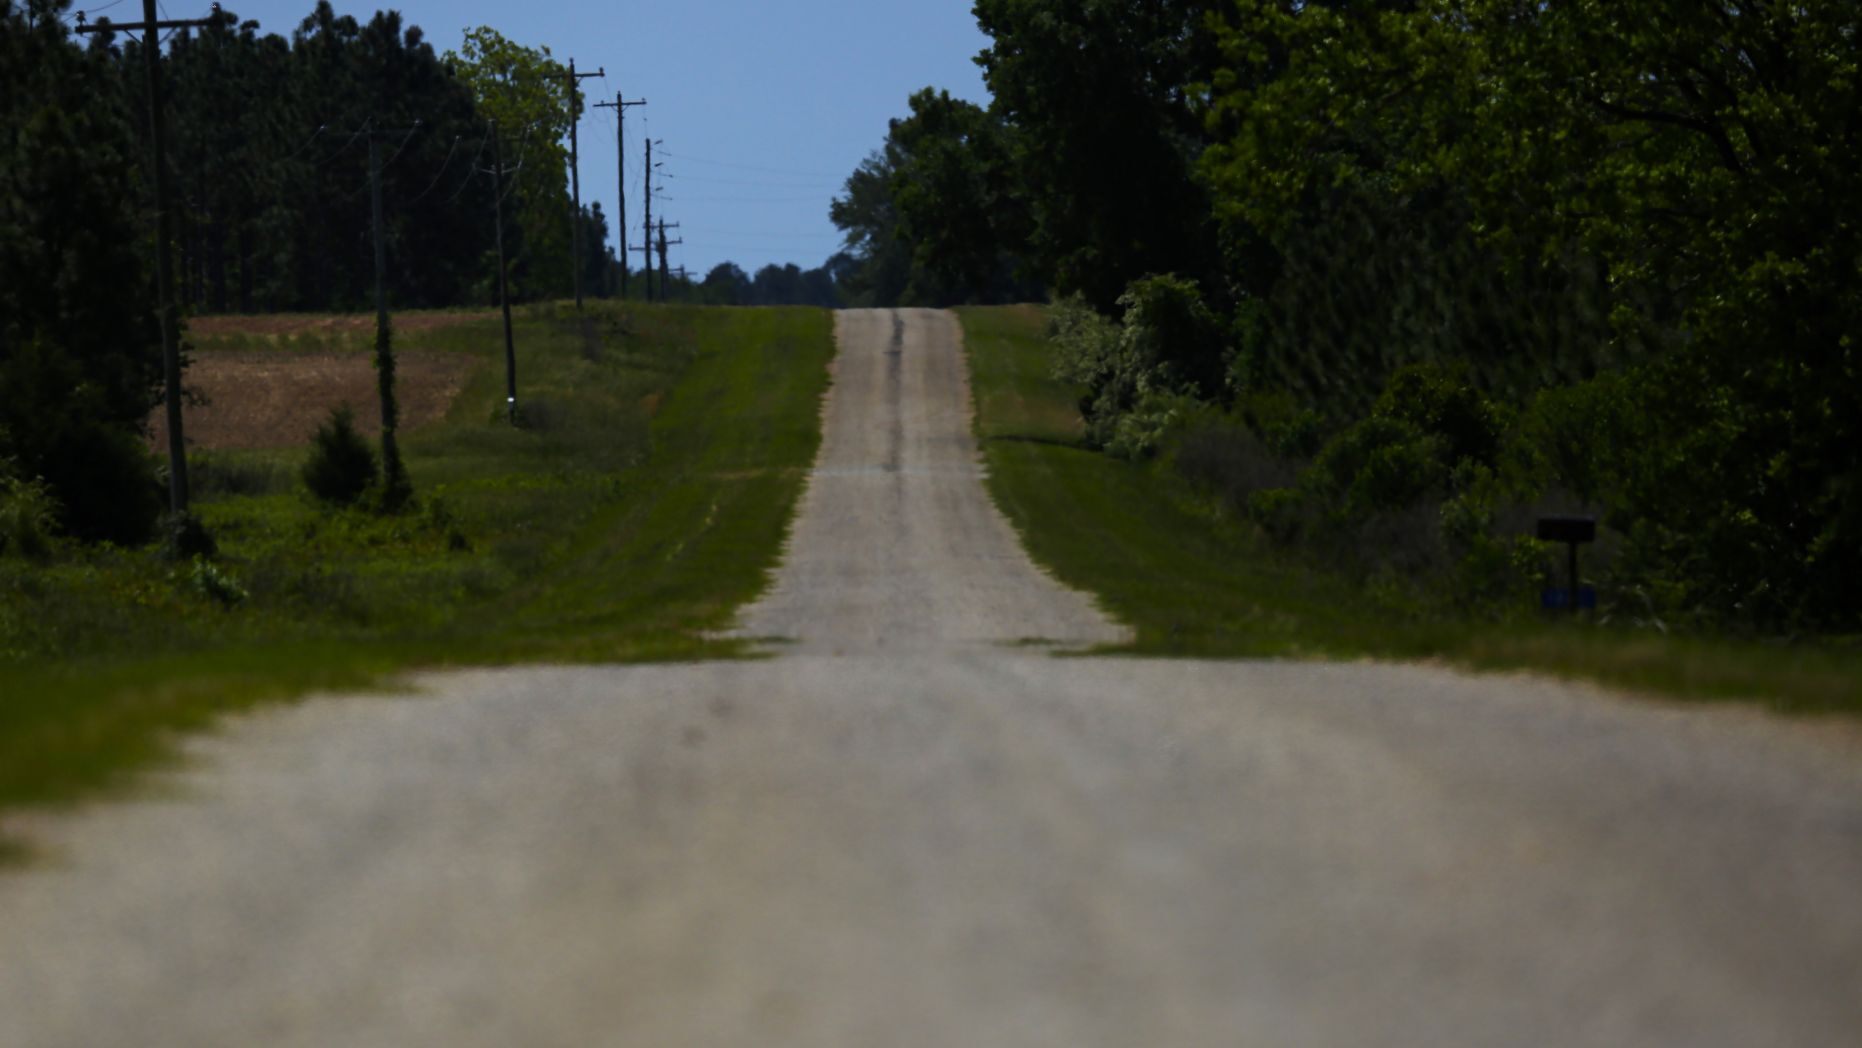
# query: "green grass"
{"points": [[645, 500], [1190, 583]]}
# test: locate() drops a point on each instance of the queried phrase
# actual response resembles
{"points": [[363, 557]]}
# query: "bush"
{"points": [[215, 584], [1581, 438], [1441, 400], [1168, 350], [28, 516], [342, 466], [1380, 463], [57, 425]]}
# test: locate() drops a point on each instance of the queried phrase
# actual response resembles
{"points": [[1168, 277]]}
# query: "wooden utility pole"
{"points": [[647, 251], [665, 273], [504, 293], [395, 486], [164, 233], [575, 176], [619, 105]]}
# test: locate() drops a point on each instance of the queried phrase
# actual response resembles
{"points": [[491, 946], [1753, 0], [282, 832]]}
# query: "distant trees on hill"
{"points": [[786, 285]]}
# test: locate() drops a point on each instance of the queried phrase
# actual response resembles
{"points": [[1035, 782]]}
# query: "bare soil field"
{"points": [[293, 324], [270, 399]]}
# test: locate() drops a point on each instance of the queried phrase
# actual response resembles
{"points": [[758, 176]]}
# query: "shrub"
{"points": [[1582, 438], [1169, 348], [1141, 432], [1176, 336], [215, 584], [28, 516], [1441, 400], [342, 466], [59, 424], [1379, 463]]}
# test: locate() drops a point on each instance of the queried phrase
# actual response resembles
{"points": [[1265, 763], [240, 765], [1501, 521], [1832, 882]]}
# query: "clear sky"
{"points": [[764, 107]]}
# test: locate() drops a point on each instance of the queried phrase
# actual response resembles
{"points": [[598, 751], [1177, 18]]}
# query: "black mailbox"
{"points": [[1573, 532], [1568, 529]]}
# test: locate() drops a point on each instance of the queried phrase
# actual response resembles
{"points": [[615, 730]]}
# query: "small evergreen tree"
{"points": [[342, 466]]}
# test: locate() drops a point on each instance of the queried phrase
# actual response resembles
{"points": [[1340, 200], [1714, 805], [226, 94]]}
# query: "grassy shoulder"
{"points": [[644, 499], [1190, 583]]}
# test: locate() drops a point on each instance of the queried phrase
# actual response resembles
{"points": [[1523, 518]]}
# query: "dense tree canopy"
{"points": [[1630, 229], [79, 351]]}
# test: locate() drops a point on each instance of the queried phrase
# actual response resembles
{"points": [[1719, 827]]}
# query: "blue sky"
{"points": [[764, 107]]}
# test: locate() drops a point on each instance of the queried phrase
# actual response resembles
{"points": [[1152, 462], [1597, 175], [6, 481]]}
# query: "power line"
{"points": [[746, 233], [471, 169], [754, 167], [441, 173], [758, 185], [405, 139], [748, 200]]}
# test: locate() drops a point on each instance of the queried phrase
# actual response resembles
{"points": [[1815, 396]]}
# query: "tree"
{"points": [[959, 203], [1103, 98], [726, 285], [935, 218], [526, 94], [868, 216], [80, 356]]}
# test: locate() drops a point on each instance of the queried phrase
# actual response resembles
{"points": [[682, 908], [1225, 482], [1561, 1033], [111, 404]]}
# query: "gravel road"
{"points": [[909, 829]]}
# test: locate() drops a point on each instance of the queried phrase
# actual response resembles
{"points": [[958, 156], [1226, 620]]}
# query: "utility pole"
{"points": [[504, 294], [665, 274], [395, 486], [575, 177], [646, 240], [164, 233], [619, 105]]}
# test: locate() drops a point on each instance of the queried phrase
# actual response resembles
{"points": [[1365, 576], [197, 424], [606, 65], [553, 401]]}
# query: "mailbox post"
{"points": [[1573, 532]]}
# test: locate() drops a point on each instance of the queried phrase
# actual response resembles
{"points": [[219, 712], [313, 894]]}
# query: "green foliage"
{"points": [[28, 516], [342, 466], [185, 537], [1441, 401], [1188, 582], [1139, 375], [1105, 133], [79, 353], [1378, 463], [1685, 195], [935, 217], [216, 584], [270, 178], [1583, 438], [526, 94]]}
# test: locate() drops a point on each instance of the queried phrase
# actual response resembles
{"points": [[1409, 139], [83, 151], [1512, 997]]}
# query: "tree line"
{"points": [[1444, 262]]}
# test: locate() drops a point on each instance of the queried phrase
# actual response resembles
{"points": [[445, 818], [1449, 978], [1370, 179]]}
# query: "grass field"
{"points": [[1190, 583], [644, 499]]}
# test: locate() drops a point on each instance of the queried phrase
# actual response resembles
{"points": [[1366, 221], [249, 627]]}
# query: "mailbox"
{"points": [[1568, 529], [1573, 532]]}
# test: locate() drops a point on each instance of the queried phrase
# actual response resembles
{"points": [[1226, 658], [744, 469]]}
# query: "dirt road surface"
{"points": [[910, 830]]}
